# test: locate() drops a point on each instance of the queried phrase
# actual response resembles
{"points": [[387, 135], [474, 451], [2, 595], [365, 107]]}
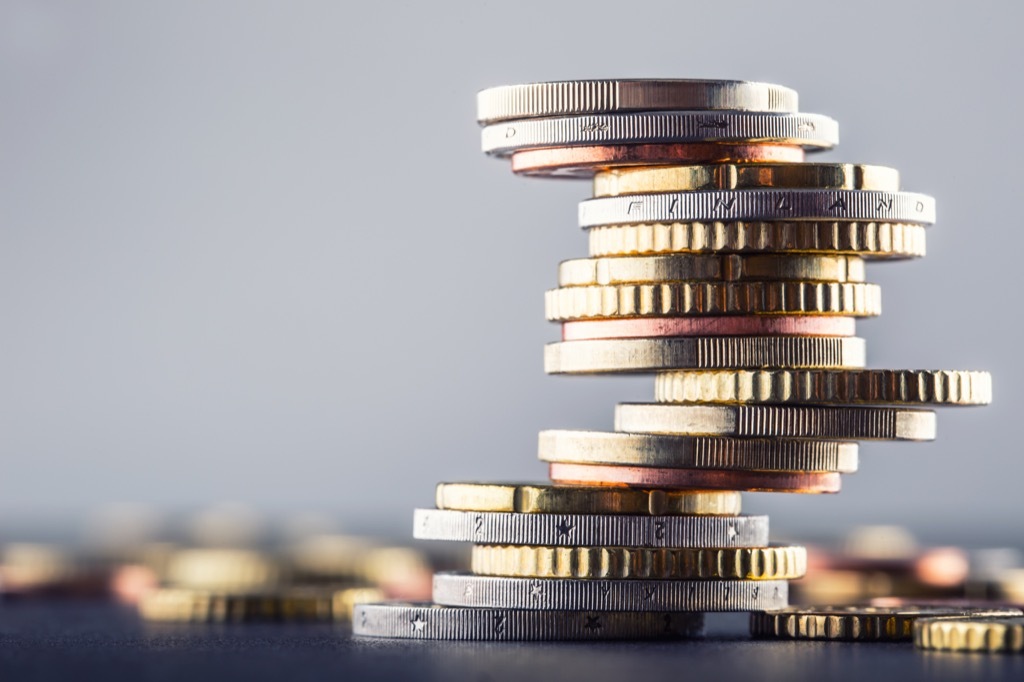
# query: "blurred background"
{"points": [[251, 257]]}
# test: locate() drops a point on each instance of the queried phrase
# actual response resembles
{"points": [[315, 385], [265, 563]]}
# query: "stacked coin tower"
{"points": [[732, 270]]}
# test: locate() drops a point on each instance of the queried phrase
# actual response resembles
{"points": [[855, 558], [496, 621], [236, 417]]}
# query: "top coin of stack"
{"points": [[734, 270]]}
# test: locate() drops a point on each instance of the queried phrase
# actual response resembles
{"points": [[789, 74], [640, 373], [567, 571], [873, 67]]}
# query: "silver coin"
{"points": [[506, 528], [463, 589], [811, 131], [432, 621], [759, 204], [567, 98], [848, 423], [697, 452], [702, 352]]}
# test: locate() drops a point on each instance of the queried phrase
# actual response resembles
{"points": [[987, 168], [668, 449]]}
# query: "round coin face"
{"points": [[854, 623], [431, 621]]}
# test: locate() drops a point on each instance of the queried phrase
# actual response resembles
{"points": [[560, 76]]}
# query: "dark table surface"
{"points": [[83, 640]]}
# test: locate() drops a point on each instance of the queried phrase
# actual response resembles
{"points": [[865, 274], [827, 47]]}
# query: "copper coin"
{"points": [[746, 325], [583, 162], [653, 477]]}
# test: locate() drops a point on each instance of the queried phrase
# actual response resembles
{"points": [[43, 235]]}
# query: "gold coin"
{"points": [[681, 268], [549, 499], [854, 623], [223, 569], [288, 604], [688, 452], [616, 181], [845, 386], [623, 563], [864, 239], [975, 633], [713, 298]]}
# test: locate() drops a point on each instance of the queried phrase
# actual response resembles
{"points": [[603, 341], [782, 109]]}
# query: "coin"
{"points": [[851, 623], [758, 205], [645, 355], [713, 298], [431, 621], [974, 633], [289, 604], [616, 181], [561, 98], [700, 479], [459, 589], [843, 423], [640, 563], [678, 268], [811, 131], [223, 569], [706, 325], [858, 386], [879, 240], [584, 161], [687, 452], [505, 528], [547, 499]]}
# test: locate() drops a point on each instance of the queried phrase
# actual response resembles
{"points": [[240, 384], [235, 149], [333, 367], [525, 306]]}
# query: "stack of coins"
{"points": [[734, 271]]}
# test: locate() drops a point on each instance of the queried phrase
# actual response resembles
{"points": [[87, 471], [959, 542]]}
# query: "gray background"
{"points": [[250, 251]]}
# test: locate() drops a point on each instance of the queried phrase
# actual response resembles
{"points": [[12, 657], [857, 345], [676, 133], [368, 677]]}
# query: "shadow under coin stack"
{"points": [[732, 270]]}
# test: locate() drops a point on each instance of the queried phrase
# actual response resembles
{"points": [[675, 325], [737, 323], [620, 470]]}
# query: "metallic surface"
{"points": [[702, 352], [975, 633], [678, 268], [287, 604], [563, 98], [618, 181], [698, 479], [811, 131], [459, 589], [857, 386], [686, 452], [626, 563], [431, 621], [882, 240], [584, 161], [843, 423], [728, 325], [759, 205], [549, 499], [713, 298], [506, 528], [851, 623]]}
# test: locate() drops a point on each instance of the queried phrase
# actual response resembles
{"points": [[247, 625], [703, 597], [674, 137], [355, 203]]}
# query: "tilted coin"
{"points": [[431, 621], [641, 563], [848, 386], [973, 633], [759, 205], [709, 325], [561, 98], [845, 423], [283, 604], [509, 528], [584, 161], [853, 623], [713, 298], [549, 499], [460, 589], [616, 181], [811, 131], [866, 239], [568, 474], [679, 268], [646, 355], [689, 452]]}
